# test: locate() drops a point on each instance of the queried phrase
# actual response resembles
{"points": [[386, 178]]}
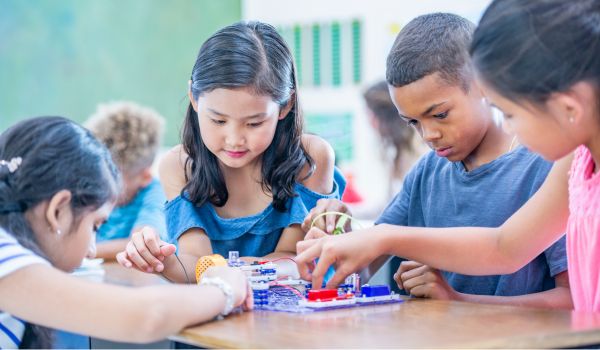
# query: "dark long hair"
{"points": [[56, 154], [527, 50], [246, 55]]}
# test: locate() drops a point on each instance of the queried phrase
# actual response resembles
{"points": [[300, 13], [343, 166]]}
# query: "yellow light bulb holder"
{"points": [[208, 261]]}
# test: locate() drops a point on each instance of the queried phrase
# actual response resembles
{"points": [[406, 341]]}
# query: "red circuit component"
{"points": [[262, 262], [322, 294], [326, 295]]}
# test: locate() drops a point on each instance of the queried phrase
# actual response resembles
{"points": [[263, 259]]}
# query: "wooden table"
{"points": [[415, 323]]}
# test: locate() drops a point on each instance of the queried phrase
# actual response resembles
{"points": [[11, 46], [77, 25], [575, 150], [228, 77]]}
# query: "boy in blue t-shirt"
{"points": [[476, 175], [132, 134]]}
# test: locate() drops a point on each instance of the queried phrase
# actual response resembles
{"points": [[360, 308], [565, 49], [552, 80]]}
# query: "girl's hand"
{"points": [[326, 223], [348, 253], [146, 251], [423, 281], [242, 294]]}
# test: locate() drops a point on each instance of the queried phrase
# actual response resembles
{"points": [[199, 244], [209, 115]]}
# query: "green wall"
{"points": [[63, 57]]}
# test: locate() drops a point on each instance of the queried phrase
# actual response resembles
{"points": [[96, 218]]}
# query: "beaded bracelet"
{"points": [[225, 288]]}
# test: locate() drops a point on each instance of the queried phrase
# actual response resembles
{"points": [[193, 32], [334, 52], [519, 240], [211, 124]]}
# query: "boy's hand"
{"points": [[146, 251], [242, 293], [326, 223], [349, 254], [423, 281]]}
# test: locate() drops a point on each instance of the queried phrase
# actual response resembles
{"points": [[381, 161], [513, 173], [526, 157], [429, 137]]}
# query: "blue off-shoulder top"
{"points": [[254, 235]]}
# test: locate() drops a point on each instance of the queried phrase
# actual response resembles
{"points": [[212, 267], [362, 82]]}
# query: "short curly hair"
{"points": [[132, 133]]}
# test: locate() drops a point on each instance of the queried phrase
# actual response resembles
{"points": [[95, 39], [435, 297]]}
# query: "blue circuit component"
{"points": [[261, 297], [374, 290]]}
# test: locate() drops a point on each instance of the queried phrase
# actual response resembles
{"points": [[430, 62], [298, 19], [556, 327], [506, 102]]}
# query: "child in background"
{"points": [[538, 62], [476, 175], [132, 134], [400, 148], [246, 175], [58, 184]]}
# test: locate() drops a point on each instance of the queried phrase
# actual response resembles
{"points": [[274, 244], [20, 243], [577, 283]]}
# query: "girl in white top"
{"points": [[57, 185]]}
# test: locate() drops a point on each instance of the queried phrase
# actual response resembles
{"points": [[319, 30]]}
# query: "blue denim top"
{"points": [[254, 235]]}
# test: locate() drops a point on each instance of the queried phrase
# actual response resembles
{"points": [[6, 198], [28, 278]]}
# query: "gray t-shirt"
{"points": [[440, 193]]}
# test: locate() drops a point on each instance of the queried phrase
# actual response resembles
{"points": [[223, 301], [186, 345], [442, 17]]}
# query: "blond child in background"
{"points": [[132, 134]]}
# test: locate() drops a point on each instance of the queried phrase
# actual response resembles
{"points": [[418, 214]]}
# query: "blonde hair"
{"points": [[132, 133]]}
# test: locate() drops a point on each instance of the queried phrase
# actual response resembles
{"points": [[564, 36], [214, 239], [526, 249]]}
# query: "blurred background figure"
{"points": [[133, 135], [400, 149]]}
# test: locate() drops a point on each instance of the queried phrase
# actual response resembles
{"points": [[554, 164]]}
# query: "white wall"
{"points": [[381, 21]]}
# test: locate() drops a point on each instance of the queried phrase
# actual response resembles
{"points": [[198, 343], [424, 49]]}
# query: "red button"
{"points": [[322, 294]]}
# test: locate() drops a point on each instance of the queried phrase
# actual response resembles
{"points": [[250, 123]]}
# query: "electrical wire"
{"points": [[187, 278]]}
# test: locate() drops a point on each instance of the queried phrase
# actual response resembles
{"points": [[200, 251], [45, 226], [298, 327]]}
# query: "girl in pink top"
{"points": [[539, 62], [583, 228]]}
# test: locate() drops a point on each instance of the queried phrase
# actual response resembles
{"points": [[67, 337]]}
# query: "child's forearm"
{"points": [[192, 305], [450, 249], [182, 270], [486, 251], [557, 298], [108, 250], [106, 311], [160, 311]]}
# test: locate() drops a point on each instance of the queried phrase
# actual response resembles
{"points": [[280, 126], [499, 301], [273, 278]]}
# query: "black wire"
{"points": [[167, 278], [184, 270], [187, 278]]}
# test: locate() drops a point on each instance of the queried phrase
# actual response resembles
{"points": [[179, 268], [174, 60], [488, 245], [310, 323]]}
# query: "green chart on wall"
{"points": [[326, 54]]}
